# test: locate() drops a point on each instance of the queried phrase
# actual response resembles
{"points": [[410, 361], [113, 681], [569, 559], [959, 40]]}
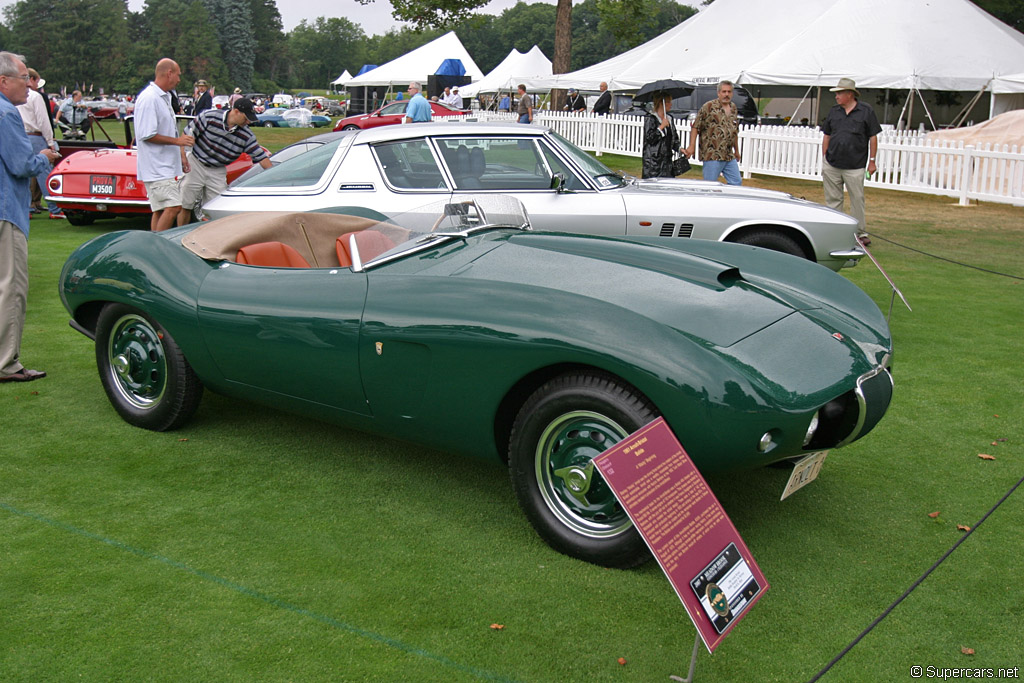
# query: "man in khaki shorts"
{"points": [[159, 162], [221, 137]]}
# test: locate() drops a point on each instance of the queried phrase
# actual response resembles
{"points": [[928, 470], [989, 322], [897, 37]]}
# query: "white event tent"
{"points": [[420, 63], [343, 79], [516, 68], [908, 44]]}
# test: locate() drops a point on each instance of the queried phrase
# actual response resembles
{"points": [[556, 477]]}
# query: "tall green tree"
{"points": [[233, 21], [322, 50], [183, 31], [271, 44], [84, 40]]}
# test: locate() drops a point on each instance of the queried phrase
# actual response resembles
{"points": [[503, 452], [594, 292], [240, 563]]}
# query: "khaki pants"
{"points": [[13, 295], [202, 184], [833, 179]]}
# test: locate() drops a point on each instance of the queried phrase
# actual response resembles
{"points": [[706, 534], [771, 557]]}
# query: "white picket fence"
{"points": [[906, 161]]}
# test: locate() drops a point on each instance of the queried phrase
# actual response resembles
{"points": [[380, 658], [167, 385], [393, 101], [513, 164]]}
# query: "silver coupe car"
{"points": [[396, 168]]}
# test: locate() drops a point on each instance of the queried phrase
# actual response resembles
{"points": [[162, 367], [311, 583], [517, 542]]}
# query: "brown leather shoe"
{"points": [[23, 375]]}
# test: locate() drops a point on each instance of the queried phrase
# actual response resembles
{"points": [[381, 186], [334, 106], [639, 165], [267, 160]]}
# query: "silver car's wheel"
{"points": [[774, 240]]}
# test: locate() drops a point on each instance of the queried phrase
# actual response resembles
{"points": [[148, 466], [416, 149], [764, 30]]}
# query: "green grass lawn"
{"points": [[256, 545]]}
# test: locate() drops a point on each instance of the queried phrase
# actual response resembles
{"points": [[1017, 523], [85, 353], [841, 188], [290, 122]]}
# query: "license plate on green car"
{"points": [[804, 472]]}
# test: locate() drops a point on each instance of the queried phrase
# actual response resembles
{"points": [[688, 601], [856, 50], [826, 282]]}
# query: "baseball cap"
{"points": [[244, 105]]}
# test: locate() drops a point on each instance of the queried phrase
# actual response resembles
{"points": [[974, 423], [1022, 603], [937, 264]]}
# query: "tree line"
{"points": [[241, 43]]}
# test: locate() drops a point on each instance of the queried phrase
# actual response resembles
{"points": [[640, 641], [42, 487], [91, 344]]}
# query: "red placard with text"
{"points": [[684, 525]]}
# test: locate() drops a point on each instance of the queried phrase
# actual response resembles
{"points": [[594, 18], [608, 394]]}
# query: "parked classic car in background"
{"points": [[458, 327], [397, 168], [391, 114], [102, 183]]}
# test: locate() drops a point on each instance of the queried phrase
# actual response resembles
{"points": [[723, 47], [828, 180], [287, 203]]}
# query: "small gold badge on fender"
{"points": [[380, 348]]}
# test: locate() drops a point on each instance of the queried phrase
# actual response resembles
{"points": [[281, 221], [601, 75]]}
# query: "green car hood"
{"points": [[703, 298]]}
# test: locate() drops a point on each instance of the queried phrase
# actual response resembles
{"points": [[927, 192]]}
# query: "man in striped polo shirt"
{"points": [[221, 137]]}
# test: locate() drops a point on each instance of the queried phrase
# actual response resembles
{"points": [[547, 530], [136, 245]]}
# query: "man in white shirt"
{"points": [[36, 118], [159, 163], [454, 98]]}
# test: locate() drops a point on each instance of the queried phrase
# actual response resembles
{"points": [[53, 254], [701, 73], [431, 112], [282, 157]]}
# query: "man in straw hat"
{"points": [[851, 143]]}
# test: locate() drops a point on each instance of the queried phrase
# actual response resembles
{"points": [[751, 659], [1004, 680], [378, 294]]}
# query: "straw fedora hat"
{"points": [[846, 84]]}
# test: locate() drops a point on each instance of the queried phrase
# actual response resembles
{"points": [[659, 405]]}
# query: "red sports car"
{"points": [[391, 114], [101, 183]]}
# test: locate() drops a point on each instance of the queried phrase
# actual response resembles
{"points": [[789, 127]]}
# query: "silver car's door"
{"points": [[524, 167], [391, 176]]}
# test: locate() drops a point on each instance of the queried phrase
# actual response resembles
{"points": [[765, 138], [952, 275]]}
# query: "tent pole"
{"points": [[886, 116], [966, 111], [802, 100], [927, 113], [899, 122]]}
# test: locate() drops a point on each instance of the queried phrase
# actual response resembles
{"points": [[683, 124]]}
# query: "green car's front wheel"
{"points": [[144, 373], [560, 429]]}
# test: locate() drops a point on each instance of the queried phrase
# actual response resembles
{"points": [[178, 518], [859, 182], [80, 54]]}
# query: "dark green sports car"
{"points": [[460, 328]]}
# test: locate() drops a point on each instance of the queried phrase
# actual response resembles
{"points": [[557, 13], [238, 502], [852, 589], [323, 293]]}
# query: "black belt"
{"points": [[39, 134]]}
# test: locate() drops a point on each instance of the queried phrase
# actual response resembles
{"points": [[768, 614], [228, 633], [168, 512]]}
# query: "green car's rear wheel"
{"points": [[566, 423], [144, 373]]}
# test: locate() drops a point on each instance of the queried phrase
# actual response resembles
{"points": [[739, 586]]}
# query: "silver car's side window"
{"points": [[505, 164], [572, 180], [409, 164]]}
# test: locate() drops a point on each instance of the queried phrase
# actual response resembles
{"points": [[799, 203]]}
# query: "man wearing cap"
{"points": [[222, 135], [455, 99], [204, 100], [575, 102], [851, 142]]}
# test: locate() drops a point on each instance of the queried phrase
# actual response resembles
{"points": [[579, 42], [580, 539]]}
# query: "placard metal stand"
{"points": [[693, 662]]}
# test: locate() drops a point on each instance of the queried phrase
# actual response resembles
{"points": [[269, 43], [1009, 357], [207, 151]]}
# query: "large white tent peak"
{"points": [[516, 67], [420, 63], [923, 44]]}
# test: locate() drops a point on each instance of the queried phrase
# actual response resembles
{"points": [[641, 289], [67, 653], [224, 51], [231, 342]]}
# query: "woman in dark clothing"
{"points": [[660, 139]]}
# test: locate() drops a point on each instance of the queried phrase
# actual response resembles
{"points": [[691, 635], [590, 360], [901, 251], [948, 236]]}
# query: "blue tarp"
{"points": [[451, 67], [366, 67]]}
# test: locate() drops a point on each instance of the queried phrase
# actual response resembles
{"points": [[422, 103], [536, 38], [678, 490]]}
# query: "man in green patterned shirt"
{"points": [[717, 126]]}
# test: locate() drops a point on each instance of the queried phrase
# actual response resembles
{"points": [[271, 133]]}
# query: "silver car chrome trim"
{"points": [[353, 248], [90, 200], [855, 254], [862, 402]]}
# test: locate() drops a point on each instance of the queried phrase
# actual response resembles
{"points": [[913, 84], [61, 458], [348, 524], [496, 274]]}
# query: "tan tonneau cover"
{"points": [[311, 234]]}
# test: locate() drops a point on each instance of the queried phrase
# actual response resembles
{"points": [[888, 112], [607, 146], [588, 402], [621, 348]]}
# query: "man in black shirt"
{"points": [[575, 102], [604, 102], [851, 141]]}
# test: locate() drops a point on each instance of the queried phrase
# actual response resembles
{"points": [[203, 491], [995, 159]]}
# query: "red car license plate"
{"points": [[101, 184]]}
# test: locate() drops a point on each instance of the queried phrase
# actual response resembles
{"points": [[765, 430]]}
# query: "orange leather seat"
{"points": [[273, 254], [371, 244]]}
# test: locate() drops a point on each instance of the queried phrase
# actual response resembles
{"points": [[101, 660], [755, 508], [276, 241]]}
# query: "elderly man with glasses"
{"points": [[18, 163]]}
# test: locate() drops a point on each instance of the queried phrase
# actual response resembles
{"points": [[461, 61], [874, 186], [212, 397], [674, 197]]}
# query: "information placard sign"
{"points": [[686, 528]]}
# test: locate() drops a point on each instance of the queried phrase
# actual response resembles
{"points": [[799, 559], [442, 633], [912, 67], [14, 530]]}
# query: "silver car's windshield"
{"points": [[304, 169], [603, 176], [426, 226]]}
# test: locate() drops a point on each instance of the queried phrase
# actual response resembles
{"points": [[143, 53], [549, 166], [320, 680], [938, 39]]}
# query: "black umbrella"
{"points": [[670, 86]]}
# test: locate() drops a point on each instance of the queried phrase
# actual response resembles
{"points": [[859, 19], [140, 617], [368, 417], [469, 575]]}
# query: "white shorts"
{"points": [[163, 194]]}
